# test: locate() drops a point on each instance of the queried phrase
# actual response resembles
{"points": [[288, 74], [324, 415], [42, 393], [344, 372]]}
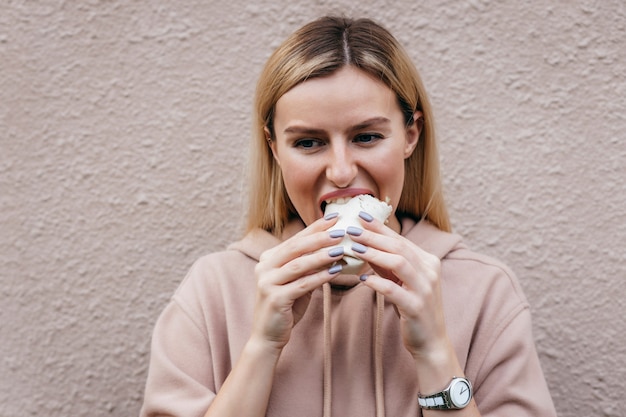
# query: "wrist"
{"points": [[455, 396], [436, 367], [262, 350]]}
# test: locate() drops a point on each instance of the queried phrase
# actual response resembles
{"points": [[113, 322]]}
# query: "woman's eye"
{"points": [[307, 143], [367, 137]]}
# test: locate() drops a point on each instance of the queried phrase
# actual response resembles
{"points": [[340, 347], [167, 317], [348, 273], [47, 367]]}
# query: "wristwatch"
{"points": [[456, 396]]}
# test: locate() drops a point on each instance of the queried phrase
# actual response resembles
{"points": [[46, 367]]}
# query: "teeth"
{"points": [[340, 200]]}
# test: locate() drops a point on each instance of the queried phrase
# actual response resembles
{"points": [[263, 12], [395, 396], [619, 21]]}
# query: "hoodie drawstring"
{"points": [[328, 358], [378, 354]]}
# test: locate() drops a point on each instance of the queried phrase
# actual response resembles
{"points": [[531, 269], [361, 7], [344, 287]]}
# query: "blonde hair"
{"points": [[319, 49]]}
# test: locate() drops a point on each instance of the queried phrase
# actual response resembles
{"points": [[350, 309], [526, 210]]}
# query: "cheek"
{"points": [[300, 186], [389, 174], [298, 179], [390, 180], [293, 176]]}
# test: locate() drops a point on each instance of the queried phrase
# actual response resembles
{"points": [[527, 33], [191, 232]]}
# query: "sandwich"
{"points": [[348, 209]]}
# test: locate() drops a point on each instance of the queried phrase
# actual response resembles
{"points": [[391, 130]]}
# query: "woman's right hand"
{"points": [[286, 276]]}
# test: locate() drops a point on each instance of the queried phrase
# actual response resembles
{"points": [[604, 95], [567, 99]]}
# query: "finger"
{"points": [[295, 295], [303, 266], [395, 293], [300, 306], [299, 269], [410, 305], [305, 285], [406, 261], [374, 233], [306, 241], [392, 266]]}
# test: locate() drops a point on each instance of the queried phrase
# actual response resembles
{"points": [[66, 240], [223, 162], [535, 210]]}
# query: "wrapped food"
{"points": [[348, 209]]}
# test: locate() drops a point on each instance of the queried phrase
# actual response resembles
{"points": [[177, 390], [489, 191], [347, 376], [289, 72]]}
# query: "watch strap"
{"points": [[435, 402], [442, 400]]}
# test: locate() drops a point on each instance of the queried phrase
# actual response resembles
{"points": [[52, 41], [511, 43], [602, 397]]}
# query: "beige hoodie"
{"points": [[201, 333]]}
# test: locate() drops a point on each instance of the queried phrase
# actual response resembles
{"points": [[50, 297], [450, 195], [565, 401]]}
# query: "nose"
{"points": [[342, 168]]}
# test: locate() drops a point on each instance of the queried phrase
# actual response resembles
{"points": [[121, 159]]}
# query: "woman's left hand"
{"points": [[409, 277]]}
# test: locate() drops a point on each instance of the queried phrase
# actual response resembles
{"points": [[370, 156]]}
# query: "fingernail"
{"points": [[365, 216], [357, 247], [337, 233], [338, 251], [363, 277], [354, 231], [330, 216], [335, 269]]}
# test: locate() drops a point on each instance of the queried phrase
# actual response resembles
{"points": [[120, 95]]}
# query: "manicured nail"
{"points": [[354, 231], [357, 247], [335, 269], [334, 252], [337, 233], [363, 277], [330, 216], [365, 216]]}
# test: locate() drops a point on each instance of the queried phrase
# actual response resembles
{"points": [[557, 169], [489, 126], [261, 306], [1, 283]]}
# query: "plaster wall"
{"points": [[123, 129]]}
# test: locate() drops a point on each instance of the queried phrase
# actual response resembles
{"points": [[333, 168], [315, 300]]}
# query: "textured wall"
{"points": [[122, 126]]}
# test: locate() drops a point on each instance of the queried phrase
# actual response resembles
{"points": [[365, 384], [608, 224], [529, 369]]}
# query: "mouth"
{"points": [[342, 199]]}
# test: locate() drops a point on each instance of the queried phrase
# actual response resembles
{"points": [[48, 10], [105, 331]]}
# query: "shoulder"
{"points": [[483, 301], [223, 280], [484, 277], [466, 274], [217, 267], [215, 282]]}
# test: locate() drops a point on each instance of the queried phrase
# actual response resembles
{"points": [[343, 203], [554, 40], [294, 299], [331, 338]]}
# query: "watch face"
{"points": [[460, 392]]}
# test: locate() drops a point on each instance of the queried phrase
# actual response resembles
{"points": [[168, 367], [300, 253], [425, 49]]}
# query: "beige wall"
{"points": [[122, 125]]}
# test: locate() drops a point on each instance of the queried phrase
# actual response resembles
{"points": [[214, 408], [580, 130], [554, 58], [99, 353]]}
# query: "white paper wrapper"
{"points": [[349, 216]]}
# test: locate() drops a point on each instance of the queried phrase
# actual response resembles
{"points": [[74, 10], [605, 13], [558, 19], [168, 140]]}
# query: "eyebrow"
{"points": [[371, 122], [359, 126], [303, 130]]}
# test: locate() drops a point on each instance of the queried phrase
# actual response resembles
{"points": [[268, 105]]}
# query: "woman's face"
{"points": [[340, 136]]}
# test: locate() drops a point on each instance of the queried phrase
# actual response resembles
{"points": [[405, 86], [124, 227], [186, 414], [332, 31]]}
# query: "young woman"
{"points": [[271, 326]]}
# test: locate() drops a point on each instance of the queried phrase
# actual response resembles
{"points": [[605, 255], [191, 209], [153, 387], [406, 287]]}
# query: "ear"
{"points": [[413, 132], [271, 143]]}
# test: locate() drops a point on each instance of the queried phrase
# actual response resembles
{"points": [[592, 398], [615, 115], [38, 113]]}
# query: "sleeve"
{"points": [[180, 375], [509, 380]]}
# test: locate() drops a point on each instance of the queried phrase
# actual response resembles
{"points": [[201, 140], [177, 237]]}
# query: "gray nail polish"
{"points": [[338, 251], [331, 216], [363, 277], [337, 233], [354, 231], [357, 247], [335, 269], [365, 216]]}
